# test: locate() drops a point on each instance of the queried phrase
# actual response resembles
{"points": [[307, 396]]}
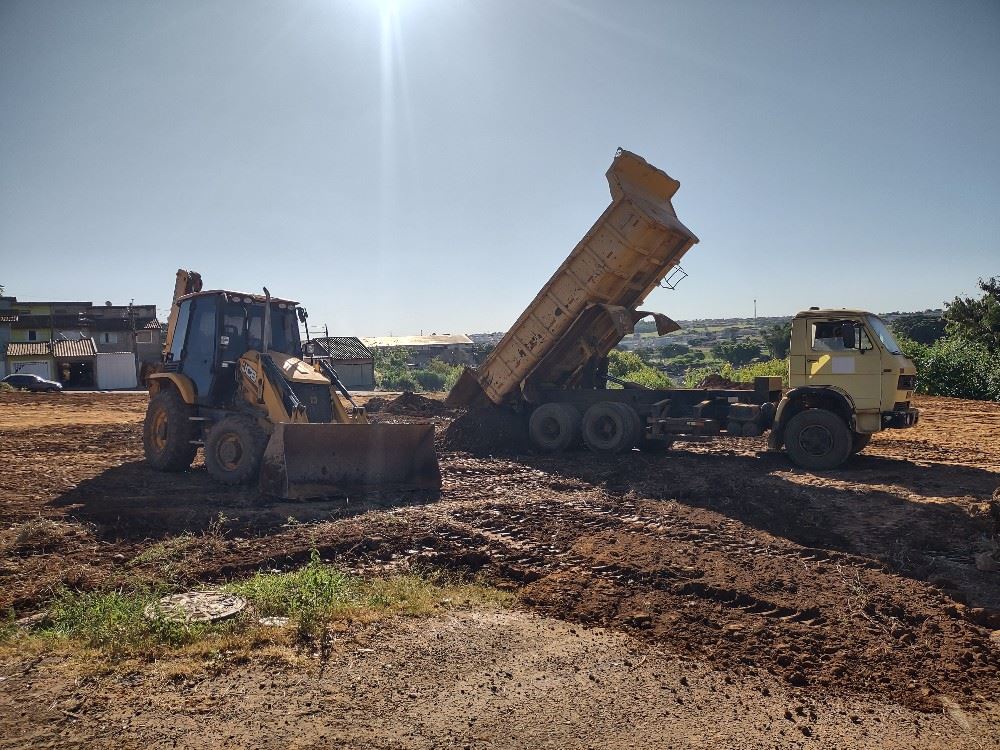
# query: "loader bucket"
{"points": [[317, 459]]}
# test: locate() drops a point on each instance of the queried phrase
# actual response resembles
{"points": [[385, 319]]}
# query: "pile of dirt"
{"points": [[488, 430], [376, 404], [408, 404], [715, 380]]}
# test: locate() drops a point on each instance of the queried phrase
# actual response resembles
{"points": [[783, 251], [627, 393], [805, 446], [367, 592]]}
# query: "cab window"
{"points": [[828, 335]]}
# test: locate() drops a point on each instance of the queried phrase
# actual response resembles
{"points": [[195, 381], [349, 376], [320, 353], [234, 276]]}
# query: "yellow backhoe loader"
{"points": [[234, 379]]}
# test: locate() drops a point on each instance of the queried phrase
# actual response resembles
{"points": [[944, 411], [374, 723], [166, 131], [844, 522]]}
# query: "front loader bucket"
{"points": [[317, 459]]}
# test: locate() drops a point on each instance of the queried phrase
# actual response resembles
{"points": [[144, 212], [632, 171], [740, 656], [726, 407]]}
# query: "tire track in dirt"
{"points": [[704, 584]]}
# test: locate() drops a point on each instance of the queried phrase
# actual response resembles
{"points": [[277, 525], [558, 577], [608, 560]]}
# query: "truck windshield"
{"points": [[884, 334], [244, 325]]}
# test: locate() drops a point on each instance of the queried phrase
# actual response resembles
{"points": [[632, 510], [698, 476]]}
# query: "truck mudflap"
{"points": [[303, 461], [900, 419]]}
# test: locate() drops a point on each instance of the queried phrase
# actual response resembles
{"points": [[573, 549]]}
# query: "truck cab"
{"points": [[848, 379]]}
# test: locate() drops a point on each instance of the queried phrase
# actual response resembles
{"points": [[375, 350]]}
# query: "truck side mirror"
{"points": [[850, 337]]}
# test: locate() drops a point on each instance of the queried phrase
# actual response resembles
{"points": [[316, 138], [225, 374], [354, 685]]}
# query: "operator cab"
{"points": [[215, 328]]}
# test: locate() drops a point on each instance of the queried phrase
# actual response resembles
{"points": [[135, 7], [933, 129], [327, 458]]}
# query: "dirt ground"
{"points": [[848, 600]]}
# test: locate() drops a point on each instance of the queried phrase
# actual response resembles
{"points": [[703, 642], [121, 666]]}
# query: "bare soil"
{"points": [[854, 587]]}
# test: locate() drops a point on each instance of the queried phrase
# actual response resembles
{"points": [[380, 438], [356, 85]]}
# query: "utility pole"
{"points": [[755, 310], [130, 314]]}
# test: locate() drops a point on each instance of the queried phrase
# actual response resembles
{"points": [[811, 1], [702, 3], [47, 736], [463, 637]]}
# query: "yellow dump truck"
{"points": [[848, 378]]}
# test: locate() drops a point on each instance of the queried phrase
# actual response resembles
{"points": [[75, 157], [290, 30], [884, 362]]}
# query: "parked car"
{"points": [[32, 383]]}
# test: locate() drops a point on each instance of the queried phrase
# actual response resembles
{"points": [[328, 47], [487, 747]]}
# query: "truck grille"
{"points": [[907, 382]]}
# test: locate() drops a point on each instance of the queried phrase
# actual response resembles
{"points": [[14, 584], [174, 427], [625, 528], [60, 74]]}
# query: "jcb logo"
{"points": [[249, 372]]}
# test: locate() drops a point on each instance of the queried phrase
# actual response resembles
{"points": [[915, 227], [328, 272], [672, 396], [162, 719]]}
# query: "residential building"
{"points": [[353, 361], [60, 340]]}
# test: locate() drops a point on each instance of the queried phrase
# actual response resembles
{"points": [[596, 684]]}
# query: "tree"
{"points": [[977, 320], [924, 329], [778, 339], [737, 353], [672, 350]]}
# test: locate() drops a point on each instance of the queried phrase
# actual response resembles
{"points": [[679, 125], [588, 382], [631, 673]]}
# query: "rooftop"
{"points": [[60, 349], [343, 347], [444, 339]]}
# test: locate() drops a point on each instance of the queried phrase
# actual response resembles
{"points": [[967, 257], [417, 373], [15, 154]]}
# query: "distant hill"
{"points": [[702, 332]]}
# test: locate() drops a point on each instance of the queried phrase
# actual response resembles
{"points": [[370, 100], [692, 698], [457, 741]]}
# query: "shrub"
{"points": [[629, 366], [737, 352], [448, 375], [429, 380], [955, 367], [772, 367], [398, 380]]}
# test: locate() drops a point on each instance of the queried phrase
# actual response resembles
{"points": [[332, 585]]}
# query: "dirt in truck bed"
{"points": [[869, 583]]}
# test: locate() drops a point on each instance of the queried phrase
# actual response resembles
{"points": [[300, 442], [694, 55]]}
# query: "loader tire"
{"points": [[817, 439], [167, 433], [554, 427], [233, 450], [608, 428], [860, 441]]}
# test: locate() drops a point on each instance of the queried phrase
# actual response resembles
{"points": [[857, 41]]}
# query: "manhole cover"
{"points": [[196, 606]]}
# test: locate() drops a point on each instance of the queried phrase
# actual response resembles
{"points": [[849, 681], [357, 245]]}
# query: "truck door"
{"points": [[841, 354], [198, 357]]}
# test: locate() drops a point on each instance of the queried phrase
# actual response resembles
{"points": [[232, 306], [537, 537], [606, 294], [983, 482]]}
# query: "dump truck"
{"points": [[235, 381], [848, 378]]}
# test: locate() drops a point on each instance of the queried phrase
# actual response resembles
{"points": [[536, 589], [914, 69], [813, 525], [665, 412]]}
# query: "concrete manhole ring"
{"points": [[196, 606]]}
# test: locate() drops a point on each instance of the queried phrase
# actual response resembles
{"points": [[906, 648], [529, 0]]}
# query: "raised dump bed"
{"points": [[590, 302]]}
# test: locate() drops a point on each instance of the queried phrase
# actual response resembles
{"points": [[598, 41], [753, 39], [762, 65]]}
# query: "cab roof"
{"points": [[238, 296], [827, 312]]}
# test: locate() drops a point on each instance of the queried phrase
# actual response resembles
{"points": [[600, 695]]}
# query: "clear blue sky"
{"points": [[427, 164]]}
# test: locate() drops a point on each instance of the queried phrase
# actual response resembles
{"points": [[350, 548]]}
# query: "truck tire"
{"points": [[817, 439], [860, 441], [554, 427], [167, 433], [233, 450], [607, 428], [638, 428]]}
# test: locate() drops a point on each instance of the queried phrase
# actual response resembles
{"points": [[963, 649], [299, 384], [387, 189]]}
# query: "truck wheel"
{"points": [[817, 439], [554, 427], [638, 428], [860, 441], [167, 433], [233, 450], [607, 428]]}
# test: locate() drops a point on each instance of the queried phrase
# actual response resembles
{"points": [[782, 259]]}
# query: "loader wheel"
{"points": [[554, 427], [233, 451], [817, 439], [167, 433], [860, 441], [609, 428]]}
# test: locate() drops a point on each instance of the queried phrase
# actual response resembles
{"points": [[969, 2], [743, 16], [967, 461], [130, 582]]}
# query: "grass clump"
{"points": [[166, 552], [38, 534], [314, 588], [313, 597], [114, 621]]}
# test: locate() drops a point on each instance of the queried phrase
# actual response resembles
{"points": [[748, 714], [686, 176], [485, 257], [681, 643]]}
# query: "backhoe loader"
{"points": [[234, 381]]}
